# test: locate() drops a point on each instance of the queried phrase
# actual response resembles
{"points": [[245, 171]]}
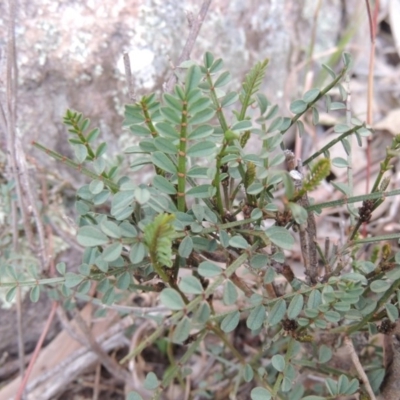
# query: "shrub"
{"points": [[211, 232]]}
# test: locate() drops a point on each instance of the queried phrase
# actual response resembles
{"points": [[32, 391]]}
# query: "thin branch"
{"points": [[128, 75], [360, 370], [195, 24], [109, 363], [39, 345], [27, 188]]}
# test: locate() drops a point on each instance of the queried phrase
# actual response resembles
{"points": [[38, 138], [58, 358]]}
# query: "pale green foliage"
{"points": [[212, 200]]}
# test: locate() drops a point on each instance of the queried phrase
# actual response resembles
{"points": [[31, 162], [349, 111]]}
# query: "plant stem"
{"points": [[67, 161], [182, 160], [332, 143], [355, 199]]}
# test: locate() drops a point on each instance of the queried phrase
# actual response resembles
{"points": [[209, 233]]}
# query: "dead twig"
{"points": [[128, 74], [36, 352], [109, 363], [361, 373], [195, 24]]}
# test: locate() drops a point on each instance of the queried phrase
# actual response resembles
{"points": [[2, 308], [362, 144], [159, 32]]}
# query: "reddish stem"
{"points": [[35, 354]]}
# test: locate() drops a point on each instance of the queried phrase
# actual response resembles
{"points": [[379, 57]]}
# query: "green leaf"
{"points": [[201, 149], [151, 381], [101, 149], [259, 393], [336, 105], [199, 105], [315, 115], [137, 253], [230, 293], [332, 386], [230, 322], [343, 383], [201, 132], [241, 126], [352, 387], [61, 268], [193, 77], [255, 188], [229, 99], [216, 66], [171, 299], [163, 185], [299, 213], [223, 79], [11, 294], [109, 296], [256, 317], [172, 102], [208, 59], [134, 396], [80, 152], [165, 145], [99, 166], [298, 106], [171, 115], [35, 294], [167, 130], [190, 284], [238, 242], [121, 200], [112, 252], [202, 116], [324, 354], [142, 195], [203, 313], [311, 95], [380, 286], [248, 373], [72, 280], [332, 316], [259, 261], [201, 191], [278, 362], [96, 186], [163, 162], [315, 299], [124, 280], [90, 236], [280, 237], [340, 162], [198, 172], [295, 306], [277, 313], [185, 247], [84, 269], [110, 228], [182, 330], [209, 269], [392, 312]]}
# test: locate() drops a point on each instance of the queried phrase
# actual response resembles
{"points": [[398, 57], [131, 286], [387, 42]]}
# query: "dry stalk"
{"points": [[361, 373], [195, 24], [35, 354], [109, 363]]}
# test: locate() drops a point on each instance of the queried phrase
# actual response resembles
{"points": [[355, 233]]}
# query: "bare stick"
{"points": [[361, 373], [128, 74], [109, 363], [36, 352], [195, 24]]}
